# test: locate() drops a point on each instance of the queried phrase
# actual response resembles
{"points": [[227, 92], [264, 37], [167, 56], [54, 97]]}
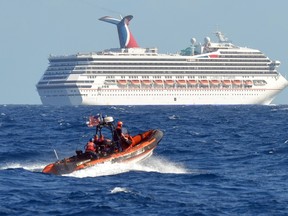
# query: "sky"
{"points": [[31, 30]]}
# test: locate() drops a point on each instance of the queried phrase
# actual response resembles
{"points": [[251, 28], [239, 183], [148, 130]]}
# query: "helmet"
{"points": [[119, 123], [91, 140]]}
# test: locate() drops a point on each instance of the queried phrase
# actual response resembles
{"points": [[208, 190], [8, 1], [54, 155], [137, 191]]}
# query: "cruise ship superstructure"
{"points": [[209, 73]]}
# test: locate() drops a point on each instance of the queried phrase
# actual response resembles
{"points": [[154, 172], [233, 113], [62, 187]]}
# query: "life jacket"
{"points": [[90, 146]]}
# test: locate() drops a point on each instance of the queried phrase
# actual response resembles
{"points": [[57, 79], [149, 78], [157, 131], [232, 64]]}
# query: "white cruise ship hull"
{"points": [[188, 96]]}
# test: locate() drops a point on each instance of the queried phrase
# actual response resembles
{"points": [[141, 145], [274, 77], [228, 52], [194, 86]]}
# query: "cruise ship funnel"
{"points": [[126, 38]]}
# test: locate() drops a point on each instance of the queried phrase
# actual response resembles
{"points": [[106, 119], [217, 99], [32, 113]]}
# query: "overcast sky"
{"points": [[31, 30]]}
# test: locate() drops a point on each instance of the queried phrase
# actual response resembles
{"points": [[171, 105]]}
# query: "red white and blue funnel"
{"points": [[126, 38]]}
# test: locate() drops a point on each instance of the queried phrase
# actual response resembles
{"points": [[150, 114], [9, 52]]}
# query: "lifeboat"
{"points": [[135, 82], [181, 82], [122, 82], [158, 82], [259, 82], [137, 148], [226, 82], [146, 82], [169, 82], [236, 82], [215, 82], [248, 82], [192, 82], [204, 82]]}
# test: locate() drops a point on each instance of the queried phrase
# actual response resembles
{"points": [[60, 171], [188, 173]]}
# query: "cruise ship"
{"points": [[204, 73]]}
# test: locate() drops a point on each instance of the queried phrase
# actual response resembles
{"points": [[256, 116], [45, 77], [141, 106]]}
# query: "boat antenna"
{"points": [[56, 154]]}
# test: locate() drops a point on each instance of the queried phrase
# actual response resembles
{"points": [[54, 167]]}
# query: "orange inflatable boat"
{"points": [[136, 148]]}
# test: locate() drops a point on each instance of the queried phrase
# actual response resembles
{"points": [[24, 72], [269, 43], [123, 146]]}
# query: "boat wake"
{"points": [[152, 164], [28, 167], [161, 165]]}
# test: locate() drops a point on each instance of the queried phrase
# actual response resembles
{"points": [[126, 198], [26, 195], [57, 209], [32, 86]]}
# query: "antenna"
{"points": [[193, 42], [56, 154], [221, 37]]}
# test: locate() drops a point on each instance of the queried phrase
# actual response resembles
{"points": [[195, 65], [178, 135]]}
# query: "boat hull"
{"points": [[141, 148]]}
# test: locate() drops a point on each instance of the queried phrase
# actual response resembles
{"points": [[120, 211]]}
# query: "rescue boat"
{"points": [[137, 148]]}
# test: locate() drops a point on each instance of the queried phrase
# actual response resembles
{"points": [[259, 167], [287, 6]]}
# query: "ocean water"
{"points": [[212, 160]]}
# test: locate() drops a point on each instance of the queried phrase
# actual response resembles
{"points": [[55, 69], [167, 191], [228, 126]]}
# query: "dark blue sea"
{"points": [[212, 160]]}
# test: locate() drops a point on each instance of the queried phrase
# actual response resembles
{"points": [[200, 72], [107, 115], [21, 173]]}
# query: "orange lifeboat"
{"points": [[181, 82], [226, 82], [215, 82], [169, 82], [135, 82], [192, 82], [204, 82], [122, 82], [146, 82], [236, 82], [248, 82], [158, 82]]}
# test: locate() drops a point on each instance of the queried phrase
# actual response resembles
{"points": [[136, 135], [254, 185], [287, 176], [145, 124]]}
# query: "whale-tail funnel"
{"points": [[126, 38]]}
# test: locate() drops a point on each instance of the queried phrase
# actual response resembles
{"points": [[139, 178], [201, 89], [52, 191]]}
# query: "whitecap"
{"points": [[173, 117], [119, 190]]}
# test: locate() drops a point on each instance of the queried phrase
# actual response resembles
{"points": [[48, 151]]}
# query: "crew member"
{"points": [[96, 142], [119, 137], [95, 139], [90, 148], [101, 144]]}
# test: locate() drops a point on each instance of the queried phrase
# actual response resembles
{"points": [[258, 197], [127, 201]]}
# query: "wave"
{"points": [[119, 190], [173, 117]]}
